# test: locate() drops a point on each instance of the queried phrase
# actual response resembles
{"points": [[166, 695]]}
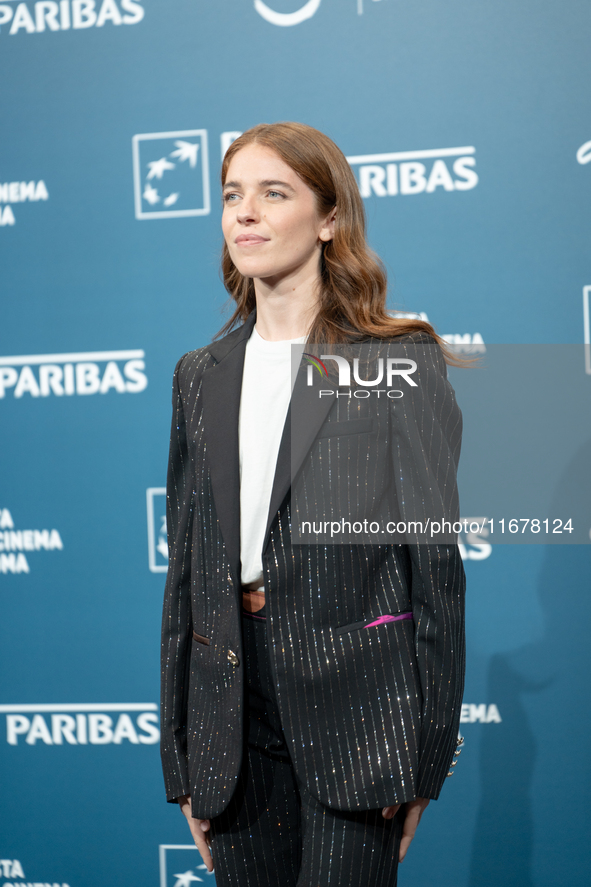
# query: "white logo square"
{"points": [[181, 866], [171, 174], [157, 542], [586, 328]]}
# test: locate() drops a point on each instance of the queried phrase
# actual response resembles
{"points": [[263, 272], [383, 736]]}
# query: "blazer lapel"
{"points": [[221, 388], [305, 416]]}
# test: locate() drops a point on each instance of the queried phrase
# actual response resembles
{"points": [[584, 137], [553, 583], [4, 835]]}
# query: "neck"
{"points": [[285, 310]]}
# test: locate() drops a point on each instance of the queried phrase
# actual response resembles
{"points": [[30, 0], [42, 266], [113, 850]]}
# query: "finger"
{"points": [[411, 821], [404, 845], [390, 812], [202, 842], [199, 830]]}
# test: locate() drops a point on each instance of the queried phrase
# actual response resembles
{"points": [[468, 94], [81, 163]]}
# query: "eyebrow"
{"points": [[265, 183]]}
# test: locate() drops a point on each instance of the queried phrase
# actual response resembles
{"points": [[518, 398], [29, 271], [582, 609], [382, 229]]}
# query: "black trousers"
{"points": [[275, 833]]}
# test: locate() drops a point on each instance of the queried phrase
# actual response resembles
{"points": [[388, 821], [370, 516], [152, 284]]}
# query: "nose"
{"points": [[247, 211]]}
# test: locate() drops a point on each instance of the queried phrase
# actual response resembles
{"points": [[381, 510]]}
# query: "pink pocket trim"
{"points": [[389, 618]]}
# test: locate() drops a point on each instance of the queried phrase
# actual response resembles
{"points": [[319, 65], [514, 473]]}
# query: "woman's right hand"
{"points": [[199, 830]]}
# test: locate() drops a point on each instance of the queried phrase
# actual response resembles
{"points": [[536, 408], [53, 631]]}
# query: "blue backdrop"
{"points": [[468, 126]]}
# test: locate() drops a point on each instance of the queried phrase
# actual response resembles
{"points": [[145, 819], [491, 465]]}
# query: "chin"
{"points": [[253, 269]]}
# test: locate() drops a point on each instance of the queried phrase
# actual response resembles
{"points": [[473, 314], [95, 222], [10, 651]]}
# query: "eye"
{"points": [[229, 197], [275, 194]]}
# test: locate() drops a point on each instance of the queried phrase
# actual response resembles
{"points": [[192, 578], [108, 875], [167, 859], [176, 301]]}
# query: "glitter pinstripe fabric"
{"points": [[283, 835], [370, 716], [274, 831]]}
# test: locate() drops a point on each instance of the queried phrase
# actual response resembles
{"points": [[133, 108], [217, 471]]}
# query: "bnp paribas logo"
{"points": [[171, 174]]}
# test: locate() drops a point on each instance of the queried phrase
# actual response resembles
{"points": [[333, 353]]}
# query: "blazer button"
{"points": [[233, 658]]}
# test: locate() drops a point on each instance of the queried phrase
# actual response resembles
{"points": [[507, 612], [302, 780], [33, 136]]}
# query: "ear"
{"points": [[326, 233]]}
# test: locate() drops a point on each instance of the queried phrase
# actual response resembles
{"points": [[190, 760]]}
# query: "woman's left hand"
{"points": [[414, 811]]}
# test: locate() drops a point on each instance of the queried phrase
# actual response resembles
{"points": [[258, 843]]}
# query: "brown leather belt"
{"points": [[253, 598]]}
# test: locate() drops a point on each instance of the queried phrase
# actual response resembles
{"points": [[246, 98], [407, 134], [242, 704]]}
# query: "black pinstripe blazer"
{"points": [[370, 715]]}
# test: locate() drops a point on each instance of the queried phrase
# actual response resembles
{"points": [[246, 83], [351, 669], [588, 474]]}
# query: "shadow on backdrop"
{"points": [[536, 759]]}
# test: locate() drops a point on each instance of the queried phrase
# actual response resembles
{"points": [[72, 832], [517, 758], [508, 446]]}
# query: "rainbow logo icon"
{"points": [[317, 363]]}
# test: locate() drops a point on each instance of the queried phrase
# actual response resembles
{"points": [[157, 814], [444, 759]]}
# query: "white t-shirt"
{"points": [[266, 392]]}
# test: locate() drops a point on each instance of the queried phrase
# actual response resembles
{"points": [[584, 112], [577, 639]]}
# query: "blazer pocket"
{"points": [[371, 623], [200, 639], [353, 426]]}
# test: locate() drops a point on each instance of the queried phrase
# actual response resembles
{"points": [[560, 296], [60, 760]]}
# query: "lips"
{"points": [[245, 239]]}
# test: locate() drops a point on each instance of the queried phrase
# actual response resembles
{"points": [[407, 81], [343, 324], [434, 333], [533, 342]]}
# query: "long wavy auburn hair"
{"points": [[353, 283]]}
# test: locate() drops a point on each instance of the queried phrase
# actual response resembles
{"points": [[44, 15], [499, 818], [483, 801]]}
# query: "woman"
{"points": [[311, 692]]}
